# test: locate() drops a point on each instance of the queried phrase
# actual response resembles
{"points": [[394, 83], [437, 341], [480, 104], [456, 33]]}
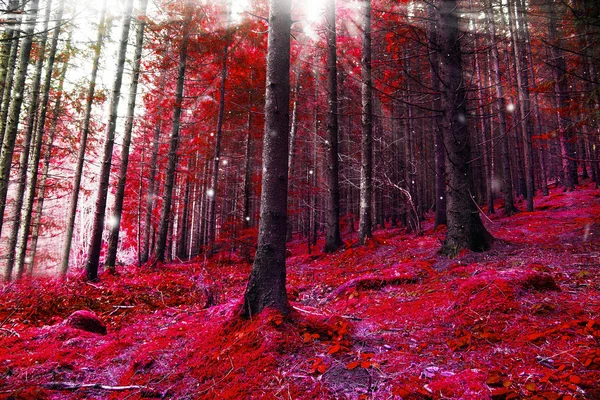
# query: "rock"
{"points": [[86, 321]]}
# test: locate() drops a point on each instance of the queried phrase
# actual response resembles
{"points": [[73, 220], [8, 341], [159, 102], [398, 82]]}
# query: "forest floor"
{"points": [[392, 319]]}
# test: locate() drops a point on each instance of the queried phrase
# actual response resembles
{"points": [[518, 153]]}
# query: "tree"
{"points": [[366, 170], [165, 215], [14, 113], [266, 285], [465, 229], [113, 239], [102, 27], [333, 240], [95, 247]]}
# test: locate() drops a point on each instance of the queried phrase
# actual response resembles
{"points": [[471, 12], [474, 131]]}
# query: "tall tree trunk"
{"points": [[9, 42], [152, 184], [212, 201], [247, 159], [439, 152], [333, 240], [366, 170], [522, 74], [509, 205], [102, 28], [266, 285], [292, 149], [93, 256], [11, 62], [14, 114], [38, 139], [165, 213], [113, 239], [46, 163], [559, 68], [465, 229]]}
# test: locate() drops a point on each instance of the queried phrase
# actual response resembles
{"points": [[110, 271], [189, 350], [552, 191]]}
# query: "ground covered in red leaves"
{"points": [[390, 320]]}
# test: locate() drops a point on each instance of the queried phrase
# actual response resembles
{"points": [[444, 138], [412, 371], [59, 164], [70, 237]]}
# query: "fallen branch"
{"points": [[76, 386], [14, 333]]}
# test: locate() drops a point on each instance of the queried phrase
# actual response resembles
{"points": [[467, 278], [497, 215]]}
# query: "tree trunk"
{"points": [[212, 200], [465, 229], [38, 139], [165, 213], [366, 170], [559, 68], [292, 150], [509, 205], [524, 101], [113, 239], [46, 164], [14, 114], [333, 240], [266, 286], [93, 256], [9, 42], [11, 62], [102, 27]]}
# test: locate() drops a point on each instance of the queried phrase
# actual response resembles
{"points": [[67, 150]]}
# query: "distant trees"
{"points": [[395, 116]]}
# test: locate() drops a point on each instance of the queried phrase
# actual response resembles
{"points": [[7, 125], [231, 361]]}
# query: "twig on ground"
{"points": [[75, 386], [14, 333]]}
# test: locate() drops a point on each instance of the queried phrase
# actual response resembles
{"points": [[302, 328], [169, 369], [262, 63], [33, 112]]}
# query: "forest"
{"points": [[287, 199]]}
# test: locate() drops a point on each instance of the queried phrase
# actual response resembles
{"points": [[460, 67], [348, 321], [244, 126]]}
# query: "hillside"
{"points": [[390, 320]]}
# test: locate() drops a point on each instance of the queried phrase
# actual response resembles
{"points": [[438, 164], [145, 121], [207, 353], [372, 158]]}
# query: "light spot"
{"points": [[210, 192], [113, 221], [461, 118], [510, 108]]}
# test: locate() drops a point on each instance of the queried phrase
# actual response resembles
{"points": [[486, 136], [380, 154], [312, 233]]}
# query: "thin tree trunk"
{"points": [[46, 165], [93, 256], [7, 82], [38, 139], [524, 103], [14, 114], [567, 147], [266, 285], [366, 170], [509, 205], [113, 239], [333, 240], [465, 229], [173, 143], [292, 150], [212, 205], [9, 42], [102, 28]]}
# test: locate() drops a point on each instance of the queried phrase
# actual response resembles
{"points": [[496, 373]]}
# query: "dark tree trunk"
{"points": [[14, 114], [266, 286], [113, 239], [333, 240], [559, 68], [95, 247], [38, 139], [465, 229], [9, 42], [102, 27], [165, 214], [509, 205], [439, 152], [366, 170]]}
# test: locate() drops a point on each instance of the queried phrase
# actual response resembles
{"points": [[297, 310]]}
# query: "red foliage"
{"points": [[389, 320]]}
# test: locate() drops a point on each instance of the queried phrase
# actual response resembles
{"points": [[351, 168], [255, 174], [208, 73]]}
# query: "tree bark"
{"points": [[9, 42], [165, 215], [102, 28], [266, 285], [333, 240], [465, 229], [38, 139], [366, 170], [93, 256], [11, 61], [46, 163], [113, 238], [509, 204], [14, 114], [559, 68]]}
